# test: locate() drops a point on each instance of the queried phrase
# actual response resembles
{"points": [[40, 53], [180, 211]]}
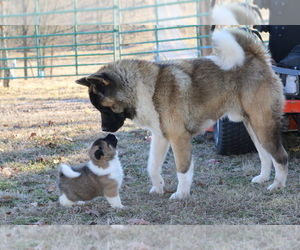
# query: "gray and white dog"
{"points": [[101, 176]]}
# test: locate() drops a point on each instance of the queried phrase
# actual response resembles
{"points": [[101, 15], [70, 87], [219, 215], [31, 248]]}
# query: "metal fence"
{"points": [[73, 37]]}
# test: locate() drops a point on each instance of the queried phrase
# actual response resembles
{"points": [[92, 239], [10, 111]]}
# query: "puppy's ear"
{"points": [[83, 81], [112, 140], [98, 153]]}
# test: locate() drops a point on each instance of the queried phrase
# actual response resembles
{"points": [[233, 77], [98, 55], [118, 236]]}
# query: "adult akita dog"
{"points": [[177, 100]]}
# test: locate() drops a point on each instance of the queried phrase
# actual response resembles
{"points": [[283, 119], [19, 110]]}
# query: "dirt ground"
{"points": [[51, 121]]}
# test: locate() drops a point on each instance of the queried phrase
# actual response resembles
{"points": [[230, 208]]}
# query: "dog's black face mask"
{"points": [[110, 121], [113, 114]]}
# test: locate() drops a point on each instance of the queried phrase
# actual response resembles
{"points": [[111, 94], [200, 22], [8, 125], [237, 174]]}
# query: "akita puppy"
{"points": [[101, 176]]}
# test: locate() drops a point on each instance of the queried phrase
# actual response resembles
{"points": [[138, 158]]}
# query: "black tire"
{"points": [[232, 138]]}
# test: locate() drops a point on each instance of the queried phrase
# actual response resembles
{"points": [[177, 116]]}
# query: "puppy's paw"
{"points": [[64, 201], [260, 179], [179, 196], [157, 190]]}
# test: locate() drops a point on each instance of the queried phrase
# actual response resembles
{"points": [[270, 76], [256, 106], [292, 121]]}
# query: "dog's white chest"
{"points": [[147, 117]]}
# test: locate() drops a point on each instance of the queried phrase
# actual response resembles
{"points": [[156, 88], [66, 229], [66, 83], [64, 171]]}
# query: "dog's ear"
{"points": [[83, 81], [112, 140], [98, 153], [99, 79]]}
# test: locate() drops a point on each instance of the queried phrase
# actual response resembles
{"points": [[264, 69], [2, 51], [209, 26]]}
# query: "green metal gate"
{"points": [[73, 37]]}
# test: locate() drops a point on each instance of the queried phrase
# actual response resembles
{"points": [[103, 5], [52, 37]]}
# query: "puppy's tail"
{"points": [[68, 171], [232, 46]]}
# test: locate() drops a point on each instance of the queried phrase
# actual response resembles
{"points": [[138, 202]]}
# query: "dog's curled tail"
{"points": [[232, 46], [68, 171]]}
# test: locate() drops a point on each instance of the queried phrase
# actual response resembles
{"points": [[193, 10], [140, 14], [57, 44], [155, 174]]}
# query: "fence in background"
{"points": [[73, 37]]}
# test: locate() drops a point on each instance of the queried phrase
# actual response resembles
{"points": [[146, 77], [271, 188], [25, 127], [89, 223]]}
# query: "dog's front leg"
{"points": [[115, 202], [182, 149], [158, 150]]}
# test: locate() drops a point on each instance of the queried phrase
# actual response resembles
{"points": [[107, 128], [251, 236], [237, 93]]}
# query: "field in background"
{"points": [[46, 122]]}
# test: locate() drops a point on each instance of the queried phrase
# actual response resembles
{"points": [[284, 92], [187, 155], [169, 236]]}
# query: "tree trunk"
{"points": [[4, 51], [205, 27], [4, 56]]}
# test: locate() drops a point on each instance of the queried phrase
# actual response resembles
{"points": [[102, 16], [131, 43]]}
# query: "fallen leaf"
{"points": [[43, 204], [6, 197], [138, 222], [201, 184], [40, 159], [51, 188], [91, 211], [169, 192], [32, 135], [213, 161]]}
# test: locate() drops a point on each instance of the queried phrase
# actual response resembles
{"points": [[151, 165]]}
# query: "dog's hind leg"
{"points": [[158, 151], [268, 135], [182, 149], [266, 161]]}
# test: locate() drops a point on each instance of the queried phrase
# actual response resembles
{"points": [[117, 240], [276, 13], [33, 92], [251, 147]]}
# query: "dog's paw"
{"points": [[260, 179], [179, 196], [156, 190], [275, 186]]}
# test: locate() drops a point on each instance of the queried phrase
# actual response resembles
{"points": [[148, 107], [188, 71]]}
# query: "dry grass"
{"points": [[45, 122]]}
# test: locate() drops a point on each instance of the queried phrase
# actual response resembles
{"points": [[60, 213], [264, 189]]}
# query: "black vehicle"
{"points": [[284, 45]]}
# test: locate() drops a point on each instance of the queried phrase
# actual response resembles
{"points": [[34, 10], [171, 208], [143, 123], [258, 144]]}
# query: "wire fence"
{"points": [[73, 37]]}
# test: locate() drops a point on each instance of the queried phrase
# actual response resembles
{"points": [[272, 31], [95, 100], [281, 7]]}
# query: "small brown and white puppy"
{"points": [[101, 176]]}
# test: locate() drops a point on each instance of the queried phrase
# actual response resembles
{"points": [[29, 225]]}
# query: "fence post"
{"points": [[40, 72], [204, 7], [3, 47], [75, 36], [157, 57], [116, 29]]}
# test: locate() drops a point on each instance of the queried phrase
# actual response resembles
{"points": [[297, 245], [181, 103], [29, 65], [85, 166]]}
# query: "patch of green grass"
{"points": [[8, 184]]}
